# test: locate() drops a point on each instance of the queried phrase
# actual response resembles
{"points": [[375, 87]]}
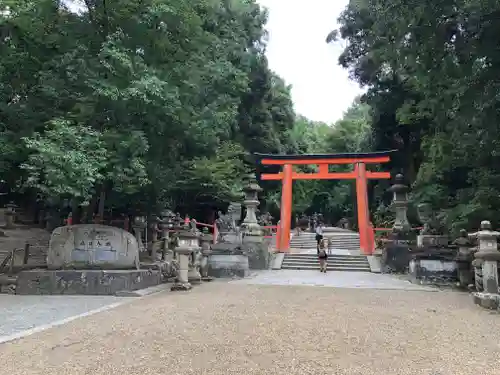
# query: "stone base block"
{"points": [[435, 271], [277, 261], [488, 301], [181, 287], [375, 262], [228, 265], [85, 282]]}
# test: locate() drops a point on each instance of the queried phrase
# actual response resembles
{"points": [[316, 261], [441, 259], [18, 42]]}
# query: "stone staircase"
{"points": [[341, 239], [336, 262]]}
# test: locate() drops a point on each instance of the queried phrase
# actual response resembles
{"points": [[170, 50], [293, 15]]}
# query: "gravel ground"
{"points": [[230, 328]]}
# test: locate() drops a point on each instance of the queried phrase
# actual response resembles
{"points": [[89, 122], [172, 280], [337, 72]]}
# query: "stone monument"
{"points": [[89, 259], [486, 267]]}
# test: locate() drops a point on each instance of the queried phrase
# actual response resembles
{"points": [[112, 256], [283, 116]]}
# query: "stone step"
{"points": [[334, 238], [354, 239], [332, 244], [330, 267], [306, 257], [340, 247], [336, 261], [316, 264]]}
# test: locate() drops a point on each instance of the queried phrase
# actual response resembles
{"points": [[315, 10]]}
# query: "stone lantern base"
{"points": [[182, 281], [180, 287], [490, 301]]}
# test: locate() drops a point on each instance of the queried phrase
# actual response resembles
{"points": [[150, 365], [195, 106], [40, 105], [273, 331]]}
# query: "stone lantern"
{"points": [[206, 240], [165, 225], [486, 267], [10, 215], [187, 245], [250, 225], [400, 204], [395, 255], [486, 258], [139, 225], [253, 240]]}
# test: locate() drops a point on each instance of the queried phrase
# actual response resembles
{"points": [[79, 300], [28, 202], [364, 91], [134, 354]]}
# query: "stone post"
{"points": [[206, 240], [139, 225], [153, 224], [10, 215], [194, 275], [464, 258], [187, 244]]}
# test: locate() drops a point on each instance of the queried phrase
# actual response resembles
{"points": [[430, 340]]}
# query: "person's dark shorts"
{"points": [[319, 237]]}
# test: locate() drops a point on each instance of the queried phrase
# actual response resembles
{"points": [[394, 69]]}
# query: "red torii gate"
{"points": [[360, 174]]}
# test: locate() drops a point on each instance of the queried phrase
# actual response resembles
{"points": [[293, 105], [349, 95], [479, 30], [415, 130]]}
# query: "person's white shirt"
{"points": [[319, 230]]}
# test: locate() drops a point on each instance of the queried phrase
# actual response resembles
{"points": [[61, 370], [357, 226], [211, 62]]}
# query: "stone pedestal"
{"points": [[182, 280], [85, 282], [228, 265], [432, 270], [194, 275]]}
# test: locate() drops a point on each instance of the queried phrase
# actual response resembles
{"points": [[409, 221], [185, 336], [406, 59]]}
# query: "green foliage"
{"points": [[431, 71], [65, 160], [149, 102]]}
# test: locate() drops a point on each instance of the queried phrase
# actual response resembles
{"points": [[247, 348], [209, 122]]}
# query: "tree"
{"points": [[431, 74]]}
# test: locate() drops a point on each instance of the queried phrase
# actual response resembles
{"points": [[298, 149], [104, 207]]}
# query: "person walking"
{"points": [[323, 256], [319, 234]]}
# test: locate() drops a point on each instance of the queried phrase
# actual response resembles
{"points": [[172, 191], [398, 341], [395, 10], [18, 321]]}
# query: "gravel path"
{"points": [[230, 328]]}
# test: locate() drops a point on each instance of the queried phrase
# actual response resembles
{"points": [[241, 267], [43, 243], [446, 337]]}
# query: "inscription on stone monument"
{"points": [[90, 245]]}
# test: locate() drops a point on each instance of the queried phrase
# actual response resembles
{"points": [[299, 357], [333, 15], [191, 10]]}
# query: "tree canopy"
{"points": [[161, 99], [431, 70], [160, 103]]}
